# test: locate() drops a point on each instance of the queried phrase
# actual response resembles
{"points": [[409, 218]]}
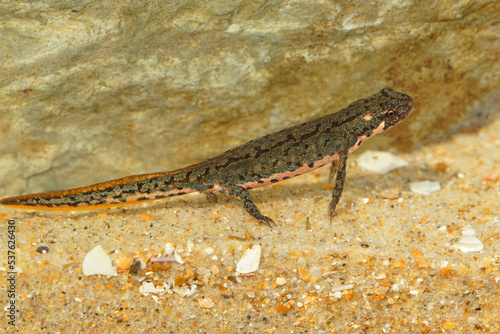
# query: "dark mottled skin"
{"points": [[269, 159]]}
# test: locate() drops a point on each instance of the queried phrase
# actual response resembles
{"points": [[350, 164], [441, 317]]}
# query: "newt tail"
{"points": [[275, 157]]}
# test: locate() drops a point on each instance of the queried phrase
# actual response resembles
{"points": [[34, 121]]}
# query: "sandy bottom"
{"points": [[388, 262]]}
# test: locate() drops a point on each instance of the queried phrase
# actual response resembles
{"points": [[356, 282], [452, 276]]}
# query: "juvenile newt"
{"points": [[275, 157]]}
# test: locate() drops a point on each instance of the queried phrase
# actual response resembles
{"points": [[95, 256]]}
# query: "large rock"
{"points": [[97, 90]]}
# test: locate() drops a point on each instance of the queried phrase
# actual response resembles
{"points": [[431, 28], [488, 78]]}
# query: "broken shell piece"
{"points": [[389, 194], [206, 303], [380, 162], [148, 287], [168, 249], [178, 258], [425, 187], [124, 263], [97, 262], [185, 291], [469, 243], [250, 261]]}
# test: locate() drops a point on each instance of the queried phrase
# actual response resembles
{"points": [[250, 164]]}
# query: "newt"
{"points": [[272, 158]]}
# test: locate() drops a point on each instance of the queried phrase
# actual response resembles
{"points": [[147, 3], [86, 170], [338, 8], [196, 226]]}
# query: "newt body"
{"points": [[275, 157]]}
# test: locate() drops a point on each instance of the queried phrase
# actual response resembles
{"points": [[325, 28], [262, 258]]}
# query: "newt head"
{"points": [[395, 107]]}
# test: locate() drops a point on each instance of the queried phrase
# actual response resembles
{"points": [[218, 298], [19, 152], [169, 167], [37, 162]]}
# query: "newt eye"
{"points": [[390, 114]]}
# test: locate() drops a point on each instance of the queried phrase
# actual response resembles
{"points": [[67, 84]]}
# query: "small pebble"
{"points": [[389, 194], [206, 303], [315, 272], [42, 249], [137, 265], [280, 281], [493, 175], [449, 325], [215, 270]]}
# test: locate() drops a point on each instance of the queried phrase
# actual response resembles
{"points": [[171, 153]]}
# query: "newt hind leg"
{"points": [[243, 195], [339, 184]]}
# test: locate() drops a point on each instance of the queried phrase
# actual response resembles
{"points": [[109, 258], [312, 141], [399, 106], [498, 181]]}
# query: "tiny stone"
{"points": [[315, 272], [283, 255], [206, 303], [42, 249], [280, 281]]}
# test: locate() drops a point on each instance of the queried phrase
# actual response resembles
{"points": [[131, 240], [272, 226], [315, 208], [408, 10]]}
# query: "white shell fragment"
{"points": [[468, 242], [178, 258], [250, 261], [97, 262], [337, 294], [380, 162], [148, 287], [168, 249], [185, 290], [425, 187]]}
